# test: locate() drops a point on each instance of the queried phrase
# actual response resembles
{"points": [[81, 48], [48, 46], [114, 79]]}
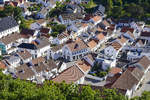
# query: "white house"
{"points": [[61, 38], [25, 56], [89, 58], [8, 25], [39, 47], [44, 68], [9, 43], [56, 51], [75, 50], [13, 61], [112, 51]]}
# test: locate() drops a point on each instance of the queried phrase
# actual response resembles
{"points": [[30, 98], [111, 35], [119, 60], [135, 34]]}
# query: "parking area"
{"points": [[145, 85]]}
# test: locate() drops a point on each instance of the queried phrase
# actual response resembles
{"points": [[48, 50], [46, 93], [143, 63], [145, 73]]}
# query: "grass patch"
{"points": [[29, 22]]}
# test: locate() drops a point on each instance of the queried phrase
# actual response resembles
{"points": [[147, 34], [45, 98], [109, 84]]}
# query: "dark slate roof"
{"points": [[7, 23], [27, 46], [37, 44]]}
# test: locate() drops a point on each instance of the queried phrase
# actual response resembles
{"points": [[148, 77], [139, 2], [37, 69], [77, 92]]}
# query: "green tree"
{"points": [[17, 13], [88, 94], [8, 10], [59, 28]]}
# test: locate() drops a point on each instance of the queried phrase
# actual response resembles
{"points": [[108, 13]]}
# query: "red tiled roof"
{"points": [[115, 70], [72, 74], [85, 66]]}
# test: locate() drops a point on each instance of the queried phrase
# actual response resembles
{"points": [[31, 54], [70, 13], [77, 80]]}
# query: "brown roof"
{"points": [[24, 72], [145, 34], [85, 66], [44, 30], [144, 62], [115, 70], [57, 47], [72, 74], [122, 40], [51, 64], [92, 44], [39, 67], [77, 45], [136, 72], [45, 66], [40, 21], [10, 38], [84, 25], [106, 23], [97, 18], [38, 60], [126, 81], [100, 36], [27, 32], [131, 34], [111, 80], [62, 36], [73, 16], [90, 57], [24, 54], [1, 8], [112, 27], [100, 29], [125, 29], [116, 45], [2, 65]]}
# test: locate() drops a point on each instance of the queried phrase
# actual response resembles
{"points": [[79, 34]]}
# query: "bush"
{"points": [[102, 74]]}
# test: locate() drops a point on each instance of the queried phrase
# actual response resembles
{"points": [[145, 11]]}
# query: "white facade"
{"points": [[9, 31], [39, 52], [70, 56]]}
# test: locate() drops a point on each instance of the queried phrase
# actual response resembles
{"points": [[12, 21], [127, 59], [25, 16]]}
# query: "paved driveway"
{"points": [[145, 86]]}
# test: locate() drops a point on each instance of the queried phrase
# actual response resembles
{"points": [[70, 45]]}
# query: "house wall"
{"points": [[89, 61], [56, 55], [9, 31], [80, 81], [38, 53], [129, 93]]}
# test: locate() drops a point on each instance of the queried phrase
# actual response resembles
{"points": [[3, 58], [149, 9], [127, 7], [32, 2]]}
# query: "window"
{"points": [[73, 57]]}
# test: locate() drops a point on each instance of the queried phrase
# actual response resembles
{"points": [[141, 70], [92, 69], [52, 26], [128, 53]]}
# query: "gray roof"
{"points": [[58, 47], [10, 38], [7, 23], [45, 66], [24, 72]]}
